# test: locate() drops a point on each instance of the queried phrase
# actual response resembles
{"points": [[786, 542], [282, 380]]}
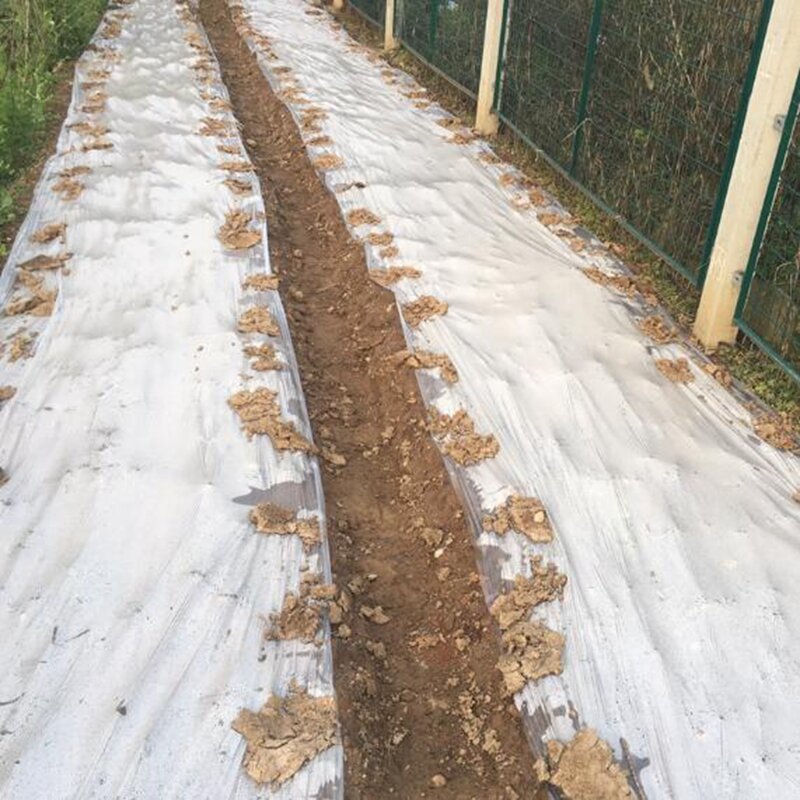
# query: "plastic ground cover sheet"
{"points": [[133, 587], [674, 523]]}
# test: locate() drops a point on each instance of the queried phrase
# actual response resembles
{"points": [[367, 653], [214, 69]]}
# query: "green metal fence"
{"points": [[373, 10], [640, 102], [447, 34], [769, 304]]}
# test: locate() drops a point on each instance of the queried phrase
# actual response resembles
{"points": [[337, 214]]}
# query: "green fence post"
{"points": [[498, 81], [433, 23], [588, 70]]}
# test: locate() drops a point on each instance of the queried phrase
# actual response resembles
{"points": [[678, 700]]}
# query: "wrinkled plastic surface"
{"points": [[674, 522], [130, 578]]}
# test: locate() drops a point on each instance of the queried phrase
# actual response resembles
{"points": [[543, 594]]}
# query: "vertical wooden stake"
{"points": [[486, 121], [758, 147], [389, 42]]}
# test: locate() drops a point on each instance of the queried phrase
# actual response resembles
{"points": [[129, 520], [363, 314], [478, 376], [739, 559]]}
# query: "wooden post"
{"points": [[486, 121], [758, 147], [389, 42]]}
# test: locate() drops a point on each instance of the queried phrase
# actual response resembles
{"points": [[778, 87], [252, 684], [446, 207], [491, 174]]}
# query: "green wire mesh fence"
{"points": [[374, 10], [447, 34], [769, 305], [638, 101]]}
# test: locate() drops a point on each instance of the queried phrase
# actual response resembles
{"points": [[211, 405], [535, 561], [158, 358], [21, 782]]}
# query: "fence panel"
{"points": [[374, 10], [769, 306], [448, 34], [638, 101]]}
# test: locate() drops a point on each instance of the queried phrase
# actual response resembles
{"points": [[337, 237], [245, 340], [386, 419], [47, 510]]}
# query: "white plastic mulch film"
{"points": [[674, 523], [133, 588]]}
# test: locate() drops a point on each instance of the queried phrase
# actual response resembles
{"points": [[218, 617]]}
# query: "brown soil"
{"points": [[422, 704]]}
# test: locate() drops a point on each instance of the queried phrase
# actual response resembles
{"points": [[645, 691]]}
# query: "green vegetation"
{"points": [[35, 37]]}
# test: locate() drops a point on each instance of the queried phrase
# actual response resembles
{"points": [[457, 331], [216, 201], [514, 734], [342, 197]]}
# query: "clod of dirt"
{"points": [[38, 301], [73, 172], [95, 103], [286, 734], [258, 320], [416, 312], [236, 233], [111, 29], [545, 585], [3, 477], [460, 138], [301, 614], [719, 374], [236, 166], [362, 216], [264, 357], [219, 105], [229, 149], [97, 144], [48, 233], [68, 188], [45, 262], [328, 161], [21, 347], [391, 275], [261, 283], [677, 369], [525, 515], [530, 652], [320, 141], [380, 239], [488, 157], [7, 392], [261, 415], [584, 768], [622, 283], [238, 187], [99, 74], [457, 438], [422, 359], [657, 329], [777, 430], [274, 519], [209, 126], [332, 457], [376, 615], [389, 253], [450, 122]]}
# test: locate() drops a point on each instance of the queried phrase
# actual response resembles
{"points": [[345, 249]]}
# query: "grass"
{"points": [[753, 368], [36, 37]]}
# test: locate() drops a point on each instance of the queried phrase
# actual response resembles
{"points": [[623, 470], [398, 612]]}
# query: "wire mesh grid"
{"points": [[448, 34], [374, 10], [637, 100]]}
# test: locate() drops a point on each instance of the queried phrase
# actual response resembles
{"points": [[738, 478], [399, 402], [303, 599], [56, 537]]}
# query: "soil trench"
{"points": [[421, 702]]}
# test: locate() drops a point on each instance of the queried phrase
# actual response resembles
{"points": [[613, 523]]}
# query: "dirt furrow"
{"points": [[420, 698]]}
